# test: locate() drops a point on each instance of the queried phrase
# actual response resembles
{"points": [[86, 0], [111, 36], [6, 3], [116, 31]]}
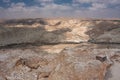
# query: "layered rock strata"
{"points": [[59, 31], [59, 49]]}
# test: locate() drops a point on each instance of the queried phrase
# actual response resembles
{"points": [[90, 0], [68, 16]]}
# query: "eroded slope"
{"points": [[59, 49], [59, 31]]}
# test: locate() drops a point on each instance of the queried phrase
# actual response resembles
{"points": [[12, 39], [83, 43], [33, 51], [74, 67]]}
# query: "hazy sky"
{"points": [[59, 8]]}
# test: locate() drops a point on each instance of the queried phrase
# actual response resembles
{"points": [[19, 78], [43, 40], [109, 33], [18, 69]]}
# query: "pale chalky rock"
{"points": [[59, 31]]}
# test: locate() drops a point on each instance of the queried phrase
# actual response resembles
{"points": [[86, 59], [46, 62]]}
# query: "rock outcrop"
{"points": [[59, 49], [59, 31]]}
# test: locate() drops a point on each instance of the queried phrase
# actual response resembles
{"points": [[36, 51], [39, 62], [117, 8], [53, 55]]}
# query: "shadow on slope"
{"points": [[25, 21], [25, 35], [106, 32]]}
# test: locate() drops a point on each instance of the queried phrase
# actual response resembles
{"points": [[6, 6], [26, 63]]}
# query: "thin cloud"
{"points": [[6, 1], [96, 6], [98, 9]]}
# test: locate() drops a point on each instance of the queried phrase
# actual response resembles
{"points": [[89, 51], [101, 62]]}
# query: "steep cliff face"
{"points": [[59, 49]]}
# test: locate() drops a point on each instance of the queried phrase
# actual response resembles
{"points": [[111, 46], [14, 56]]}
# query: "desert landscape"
{"points": [[59, 49]]}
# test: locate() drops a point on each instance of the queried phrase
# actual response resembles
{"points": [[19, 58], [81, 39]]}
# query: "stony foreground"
{"points": [[59, 49]]}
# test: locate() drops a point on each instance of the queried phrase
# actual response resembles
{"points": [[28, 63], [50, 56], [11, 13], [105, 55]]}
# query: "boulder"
{"points": [[76, 62]]}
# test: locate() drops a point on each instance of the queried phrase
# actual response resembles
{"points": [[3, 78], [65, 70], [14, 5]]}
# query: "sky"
{"points": [[12, 9]]}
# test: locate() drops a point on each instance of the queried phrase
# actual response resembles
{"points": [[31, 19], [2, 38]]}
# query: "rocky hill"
{"points": [[59, 49]]}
